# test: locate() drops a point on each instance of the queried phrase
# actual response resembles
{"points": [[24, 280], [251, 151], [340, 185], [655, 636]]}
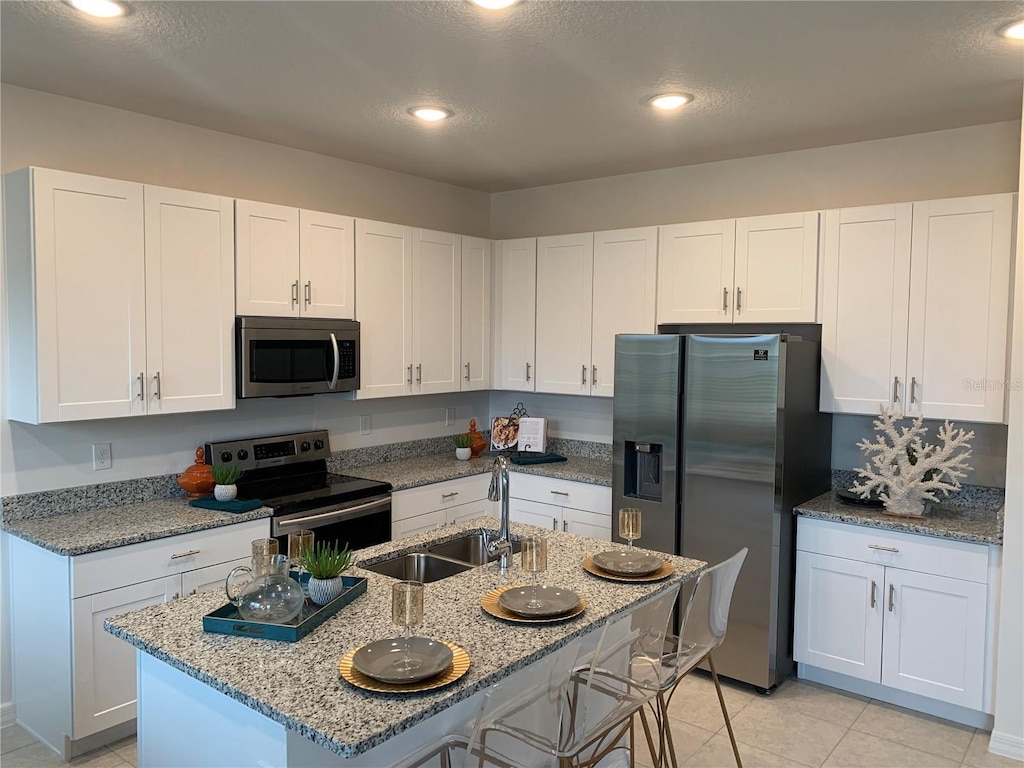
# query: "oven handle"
{"points": [[337, 363], [347, 513]]}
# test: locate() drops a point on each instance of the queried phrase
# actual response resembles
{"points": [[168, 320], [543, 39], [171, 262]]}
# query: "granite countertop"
{"points": [[78, 533], [982, 526], [297, 684], [423, 470]]}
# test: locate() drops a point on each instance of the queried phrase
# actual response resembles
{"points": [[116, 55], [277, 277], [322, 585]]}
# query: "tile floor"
{"points": [[802, 724]]}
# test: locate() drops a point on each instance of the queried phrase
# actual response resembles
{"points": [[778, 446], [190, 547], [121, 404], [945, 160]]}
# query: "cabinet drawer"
{"points": [[112, 568], [911, 552], [564, 493], [451, 493]]}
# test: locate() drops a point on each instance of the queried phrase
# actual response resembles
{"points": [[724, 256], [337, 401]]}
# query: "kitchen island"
{"points": [[208, 699]]}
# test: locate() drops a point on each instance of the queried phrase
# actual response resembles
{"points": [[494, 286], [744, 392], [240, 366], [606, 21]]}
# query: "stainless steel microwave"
{"points": [[285, 357]]}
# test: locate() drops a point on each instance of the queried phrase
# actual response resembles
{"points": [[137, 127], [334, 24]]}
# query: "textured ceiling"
{"points": [[544, 92]]}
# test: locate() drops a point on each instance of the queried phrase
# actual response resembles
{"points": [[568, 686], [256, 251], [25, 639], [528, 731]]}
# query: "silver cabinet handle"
{"points": [[467, 371], [725, 299], [451, 495], [192, 593], [157, 380], [892, 596], [593, 377], [884, 549], [409, 367], [913, 390], [565, 526], [337, 364], [739, 299], [295, 292], [180, 555], [895, 389], [874, 590], [560, 493], [554, 523], [309, 292], [584, 374], [142, 386], [175, 596], [419, 373], [527, 371]]}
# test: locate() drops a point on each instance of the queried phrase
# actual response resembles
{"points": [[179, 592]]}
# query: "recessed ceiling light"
{"points": [[495, 5], [105, 9], [669, 101], [1014, 31], [430, 114]]}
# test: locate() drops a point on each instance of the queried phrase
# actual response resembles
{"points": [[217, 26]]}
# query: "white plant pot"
{"points": [[225, 492], [463, 453], [322, 591]]}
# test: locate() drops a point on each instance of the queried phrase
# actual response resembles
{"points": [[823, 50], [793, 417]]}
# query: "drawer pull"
{"points": [[883, 549], [451, 495], [554, 523], [560, 493], [565, 526], [180, 555], [874, 591], [892, 596]]}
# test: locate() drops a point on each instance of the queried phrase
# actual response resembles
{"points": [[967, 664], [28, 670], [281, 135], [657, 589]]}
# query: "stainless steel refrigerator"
{"points": [[716, 437]]}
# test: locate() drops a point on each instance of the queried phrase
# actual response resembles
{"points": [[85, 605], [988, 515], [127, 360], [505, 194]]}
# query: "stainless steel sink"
{"points": [[471, 548], [419, 566]]}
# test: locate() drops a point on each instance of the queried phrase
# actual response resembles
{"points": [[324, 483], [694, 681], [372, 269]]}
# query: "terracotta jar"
{"points": [[197, 480], [479, 442]]}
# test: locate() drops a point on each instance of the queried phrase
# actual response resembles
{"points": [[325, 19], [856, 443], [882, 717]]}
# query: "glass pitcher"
{"points": [[269, 594]]}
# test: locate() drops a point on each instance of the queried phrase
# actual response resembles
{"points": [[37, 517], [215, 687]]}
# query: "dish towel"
{"points": [[537, 458], [235, 505]]}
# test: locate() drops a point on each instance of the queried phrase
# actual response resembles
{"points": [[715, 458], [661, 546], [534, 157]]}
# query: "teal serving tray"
{"points": [[227, 621]]}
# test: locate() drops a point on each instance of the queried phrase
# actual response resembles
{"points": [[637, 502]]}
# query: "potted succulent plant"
{"points": [[225, 475], [463, 447], [326, 564]]}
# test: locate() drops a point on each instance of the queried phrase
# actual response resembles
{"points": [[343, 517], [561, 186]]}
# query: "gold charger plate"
{"points": [[666, 570], [490, 604], [459, 666]]}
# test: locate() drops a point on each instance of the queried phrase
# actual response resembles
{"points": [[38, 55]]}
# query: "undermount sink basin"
{"points": [[419, 566], [471, 548]]}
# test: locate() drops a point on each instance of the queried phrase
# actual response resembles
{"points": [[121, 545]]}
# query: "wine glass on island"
{"points": [[535, 560], [629, 526], [407, 612]]}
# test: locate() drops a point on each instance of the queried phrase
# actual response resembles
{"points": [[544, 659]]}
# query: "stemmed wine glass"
{"points": [[407, 612], [535, 560], [629, 526]]}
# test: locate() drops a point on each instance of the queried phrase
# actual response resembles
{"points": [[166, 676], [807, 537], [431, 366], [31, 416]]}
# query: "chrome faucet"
{"points": [[499, 492]]}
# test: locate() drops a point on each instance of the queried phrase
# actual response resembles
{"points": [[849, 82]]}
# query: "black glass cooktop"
{"points": [[301, 492]]}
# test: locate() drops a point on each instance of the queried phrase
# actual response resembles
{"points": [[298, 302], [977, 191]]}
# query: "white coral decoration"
{"points": [[902, 484]]}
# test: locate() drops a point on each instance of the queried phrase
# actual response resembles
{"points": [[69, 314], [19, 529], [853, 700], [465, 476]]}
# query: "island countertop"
{"points": [[298, 685]]}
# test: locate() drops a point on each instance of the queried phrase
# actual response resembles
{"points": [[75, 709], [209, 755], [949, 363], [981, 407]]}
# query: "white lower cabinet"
{"points": [[542, 501], [428, 507], [910, 613]]}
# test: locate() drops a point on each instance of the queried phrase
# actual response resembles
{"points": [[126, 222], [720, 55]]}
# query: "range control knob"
{"points": [[318, 444], [225, 456], [243, 455], [305, 445]]}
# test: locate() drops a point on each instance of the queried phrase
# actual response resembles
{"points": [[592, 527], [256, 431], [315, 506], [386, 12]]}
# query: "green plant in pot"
{"points": [[225, 475], [326, 563], [463, 446]]}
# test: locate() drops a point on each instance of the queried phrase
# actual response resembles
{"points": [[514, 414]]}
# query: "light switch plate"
{"points": [[100, 456]]}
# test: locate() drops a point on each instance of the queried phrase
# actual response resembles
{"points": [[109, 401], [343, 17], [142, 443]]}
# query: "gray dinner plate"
{"points": [[379, 659], [623, 563], [552, 601]]}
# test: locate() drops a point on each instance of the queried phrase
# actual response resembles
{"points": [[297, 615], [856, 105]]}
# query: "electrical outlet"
{"points": [[100, 456], [449, 416], [364, 424]]}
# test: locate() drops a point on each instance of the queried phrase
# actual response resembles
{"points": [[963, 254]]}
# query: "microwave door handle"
{"points": [[337, 364]]}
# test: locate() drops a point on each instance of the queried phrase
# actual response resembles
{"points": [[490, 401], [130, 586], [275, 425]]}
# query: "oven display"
{"points": [[274, 450]]}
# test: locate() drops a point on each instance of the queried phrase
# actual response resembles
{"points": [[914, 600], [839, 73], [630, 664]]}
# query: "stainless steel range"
{"points": [[289, 474]]}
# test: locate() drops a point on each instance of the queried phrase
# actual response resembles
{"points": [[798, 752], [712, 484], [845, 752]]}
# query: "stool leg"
{"points": [[656, 753], [725, 712]]}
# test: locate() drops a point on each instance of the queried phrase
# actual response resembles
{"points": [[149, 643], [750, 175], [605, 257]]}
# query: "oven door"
{"points": [[358, 524]]}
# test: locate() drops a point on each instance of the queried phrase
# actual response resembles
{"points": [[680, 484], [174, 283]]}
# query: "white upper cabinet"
{"points": [[625, 283], [120, 298], [565, 295], [475, 372], [293, 263], [384, 301], [517, 289], [866, 281], [754, 270], [959, 307], [437, 311], [190, 301]]}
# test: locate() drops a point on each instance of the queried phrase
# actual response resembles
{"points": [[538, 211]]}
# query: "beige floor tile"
{"points": [[717, 753], [862, 750], [686, 738], [99, 758], [14, 737], [128, 749], [786, 732], [978, 755], [33, 756], [820, 701], [696, 702], [913, 729]]}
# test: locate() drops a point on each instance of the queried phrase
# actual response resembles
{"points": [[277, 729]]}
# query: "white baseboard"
{"points": [[1006, 745], [7, 714]]}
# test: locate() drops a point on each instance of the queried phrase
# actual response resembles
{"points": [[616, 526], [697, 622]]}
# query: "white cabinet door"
{"points": [[838, 622], [959, 303], [437, 311], [211, 578], [534, 513], [866, 269], [695, 272], [584, 523], [565, 296], [518, 325], [933, 642], [327, 265], [267, 259], [418, 524], [79, 314], [384, 308], [777, 268], [625, 283], [468, 511], [104, 665], [475, 372], [190, 301]]}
